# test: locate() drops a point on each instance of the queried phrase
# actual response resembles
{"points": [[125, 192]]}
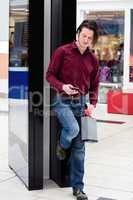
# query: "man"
{"points": [[73, 72]]}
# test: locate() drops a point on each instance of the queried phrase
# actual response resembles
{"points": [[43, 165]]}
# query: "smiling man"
{"points": [[74, 72]]}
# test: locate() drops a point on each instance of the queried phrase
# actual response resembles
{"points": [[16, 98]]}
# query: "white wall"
{"points": [[4, 24], [4, 18]]}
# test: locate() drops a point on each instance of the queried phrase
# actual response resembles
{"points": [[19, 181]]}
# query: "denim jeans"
{"points": [[67, 113]]}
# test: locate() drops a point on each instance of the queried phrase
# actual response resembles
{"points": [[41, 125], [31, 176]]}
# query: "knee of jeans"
{"points": [[74, 130]]}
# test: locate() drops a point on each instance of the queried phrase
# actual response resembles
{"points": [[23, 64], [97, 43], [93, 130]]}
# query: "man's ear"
{"points": [[77, 36]]}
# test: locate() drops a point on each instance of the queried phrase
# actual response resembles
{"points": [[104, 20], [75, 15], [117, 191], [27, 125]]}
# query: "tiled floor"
{"points": [[109, 164]]}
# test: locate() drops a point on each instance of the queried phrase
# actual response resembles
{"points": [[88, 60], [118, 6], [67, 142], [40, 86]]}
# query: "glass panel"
{"points": [[18, 88], [18, 34], [109, 48], [131, 50]]}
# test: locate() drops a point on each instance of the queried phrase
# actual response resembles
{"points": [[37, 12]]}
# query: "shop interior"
{"points": [[109, 49], [18, 37]]}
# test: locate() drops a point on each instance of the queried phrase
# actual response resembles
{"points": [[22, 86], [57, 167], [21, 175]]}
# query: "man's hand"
{"points": [[89, 110], [69, 89]]}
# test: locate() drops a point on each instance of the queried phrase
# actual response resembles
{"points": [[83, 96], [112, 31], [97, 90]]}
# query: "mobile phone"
{"points": [[75, 88]]}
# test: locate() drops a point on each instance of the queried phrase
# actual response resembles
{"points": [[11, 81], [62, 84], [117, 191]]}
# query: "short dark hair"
{"points": [[92, 25]]}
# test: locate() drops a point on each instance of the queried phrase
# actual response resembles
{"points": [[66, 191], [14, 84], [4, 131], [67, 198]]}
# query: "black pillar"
{"points": [[36, 76], [63, 30]]}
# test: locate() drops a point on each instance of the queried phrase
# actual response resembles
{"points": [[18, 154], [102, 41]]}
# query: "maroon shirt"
{"points": [[69, 66]]}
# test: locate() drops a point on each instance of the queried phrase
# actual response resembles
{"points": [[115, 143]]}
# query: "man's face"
{"points": [[85, 38]]}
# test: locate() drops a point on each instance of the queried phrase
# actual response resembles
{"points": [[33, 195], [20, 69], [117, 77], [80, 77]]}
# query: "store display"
{"points": [[18, 40], [18, 57], [115, 73], [109, 49], [105, 75], [102, 97], [131, 74], [119, 102]]}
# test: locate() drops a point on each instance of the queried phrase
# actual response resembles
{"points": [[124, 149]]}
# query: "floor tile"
{"points": [[108, 165], [100, 191], [4, 165], [15, 189], [10, 195], [6, 176]]}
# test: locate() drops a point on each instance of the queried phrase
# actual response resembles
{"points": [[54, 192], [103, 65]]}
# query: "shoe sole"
{"points": [[80, 198]]}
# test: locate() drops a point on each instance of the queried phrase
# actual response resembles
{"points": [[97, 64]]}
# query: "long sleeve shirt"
{"points": [[69, 66]]}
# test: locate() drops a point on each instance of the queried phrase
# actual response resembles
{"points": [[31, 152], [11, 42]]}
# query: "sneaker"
{"points": [[79, 194], [60, 152]]}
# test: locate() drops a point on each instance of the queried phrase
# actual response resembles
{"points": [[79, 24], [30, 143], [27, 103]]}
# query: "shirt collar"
{"points": [[74, 46]]}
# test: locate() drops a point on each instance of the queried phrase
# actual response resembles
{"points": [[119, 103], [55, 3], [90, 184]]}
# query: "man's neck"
{"points": [[82, 50]]}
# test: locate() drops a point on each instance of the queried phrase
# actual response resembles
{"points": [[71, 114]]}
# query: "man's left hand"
{"points": [[89, 110]]}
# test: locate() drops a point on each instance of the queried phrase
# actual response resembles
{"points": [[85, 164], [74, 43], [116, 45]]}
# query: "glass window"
{"points": [[18, 35], [109, 48], [18, 89]]}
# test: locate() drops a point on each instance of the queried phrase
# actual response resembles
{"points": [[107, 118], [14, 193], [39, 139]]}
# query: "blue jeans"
{"points": [[67, 113]]}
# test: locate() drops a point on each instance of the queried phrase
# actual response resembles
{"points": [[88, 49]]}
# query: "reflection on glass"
{"points": [[110, 46], [18, 34], [131, 50], [18, 89]]}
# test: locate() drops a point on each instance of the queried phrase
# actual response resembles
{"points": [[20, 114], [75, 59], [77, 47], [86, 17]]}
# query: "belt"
{"points": [[71, 98]]}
